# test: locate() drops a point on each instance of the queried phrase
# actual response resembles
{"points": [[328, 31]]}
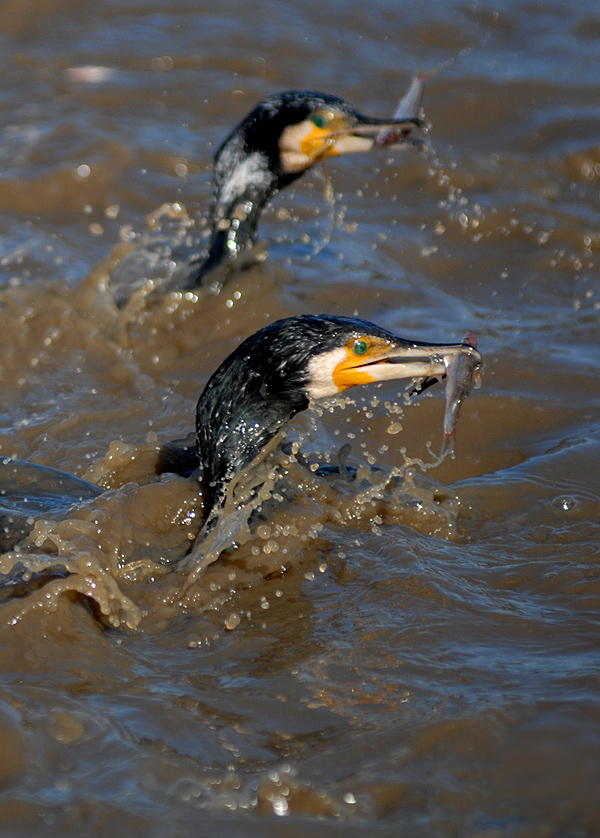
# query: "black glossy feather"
{"points": [[259, 388], [255, 139]]}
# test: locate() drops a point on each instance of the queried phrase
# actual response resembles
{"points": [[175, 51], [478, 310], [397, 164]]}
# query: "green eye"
{"points": [[360, 347], [319, 120]]}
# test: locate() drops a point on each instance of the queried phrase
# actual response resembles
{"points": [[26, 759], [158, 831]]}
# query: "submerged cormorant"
{"points": [[276, 372], [280, 139], [283, 136], [257, 389]]}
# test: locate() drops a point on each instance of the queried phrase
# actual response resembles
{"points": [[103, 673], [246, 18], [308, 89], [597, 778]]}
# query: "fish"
{"points": [[463, 372], [410, 106]]}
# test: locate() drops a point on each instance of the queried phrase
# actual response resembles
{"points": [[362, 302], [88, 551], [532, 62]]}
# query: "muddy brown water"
{"points": [[419, 660]]}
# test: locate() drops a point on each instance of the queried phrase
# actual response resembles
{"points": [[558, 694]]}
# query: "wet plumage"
{"points": [[281, 138], [275, 373], [271, 376]]}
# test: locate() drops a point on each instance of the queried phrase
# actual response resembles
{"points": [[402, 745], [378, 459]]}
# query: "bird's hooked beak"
{"points": [[370, 360], [367, 131], [330, 133], [333, 134]]}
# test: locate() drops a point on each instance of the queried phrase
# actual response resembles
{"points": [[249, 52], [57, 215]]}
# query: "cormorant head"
{"points": [[274, 374], [278, 140], [296, 129]]}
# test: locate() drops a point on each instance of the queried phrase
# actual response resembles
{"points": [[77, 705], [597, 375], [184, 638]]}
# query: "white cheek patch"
{"points": [[292, 158], [320, 373], [252, 171]]}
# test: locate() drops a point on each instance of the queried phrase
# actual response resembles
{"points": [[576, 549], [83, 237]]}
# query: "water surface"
{"points": [[422, 660]]}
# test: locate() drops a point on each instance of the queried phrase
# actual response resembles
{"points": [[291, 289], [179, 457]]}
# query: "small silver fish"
{"points": [[463, 371], [410, 106]]}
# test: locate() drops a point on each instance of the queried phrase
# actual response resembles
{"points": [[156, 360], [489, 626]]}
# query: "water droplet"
{"points": [[564, 502], [280, 806], [232, 622]]}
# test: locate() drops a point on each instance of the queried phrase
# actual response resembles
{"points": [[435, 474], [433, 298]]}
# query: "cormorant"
{"points": [[278, 370], [257, 389], [281, 138]]}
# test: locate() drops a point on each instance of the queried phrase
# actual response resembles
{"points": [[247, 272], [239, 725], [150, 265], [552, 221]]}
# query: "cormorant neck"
{"points": [[243, 406], [244, 181], [230, 436]]}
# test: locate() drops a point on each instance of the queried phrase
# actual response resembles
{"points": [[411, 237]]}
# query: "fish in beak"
{"points": [[335, 134], [369, 360], [407, 127], [366, 359], [339, 129]]}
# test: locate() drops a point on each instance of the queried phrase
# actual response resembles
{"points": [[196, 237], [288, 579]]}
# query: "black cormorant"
{"points": [[281, 138], [257, 389], [275, 144], [276, 372]]}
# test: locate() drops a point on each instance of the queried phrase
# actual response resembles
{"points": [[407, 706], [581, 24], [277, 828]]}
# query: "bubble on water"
{"points": [[564, 502], [271, 546], [163, 63]]}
